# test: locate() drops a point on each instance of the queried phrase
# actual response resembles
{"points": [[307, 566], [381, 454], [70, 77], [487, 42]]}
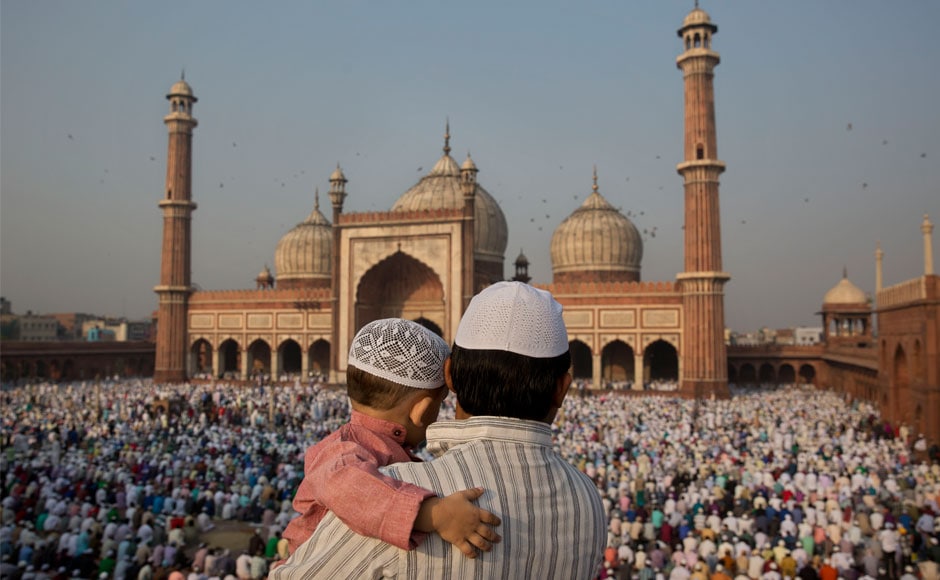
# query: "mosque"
{"points": [[441, 242]]}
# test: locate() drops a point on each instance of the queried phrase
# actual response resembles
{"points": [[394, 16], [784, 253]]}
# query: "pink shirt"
{"points": [[341, 474]]}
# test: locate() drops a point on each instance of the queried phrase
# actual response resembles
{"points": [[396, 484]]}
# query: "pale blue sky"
{"points": [[537, 91]]}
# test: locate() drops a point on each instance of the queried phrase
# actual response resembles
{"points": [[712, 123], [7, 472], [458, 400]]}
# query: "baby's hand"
{"points": [[463, 524]]}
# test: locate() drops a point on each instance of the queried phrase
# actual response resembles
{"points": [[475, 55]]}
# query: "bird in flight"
{"points": [[848, 127]]}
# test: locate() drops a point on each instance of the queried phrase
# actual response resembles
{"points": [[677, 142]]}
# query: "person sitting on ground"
{"points": [[395, 384]]}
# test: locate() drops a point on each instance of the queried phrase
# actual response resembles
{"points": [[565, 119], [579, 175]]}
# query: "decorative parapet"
{"points": [[776, 351], [267, 295], [385, 217], [634, 288], [903, 293]]}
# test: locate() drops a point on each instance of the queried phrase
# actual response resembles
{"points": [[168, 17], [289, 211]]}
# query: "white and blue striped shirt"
{"points": [[553, 522]]}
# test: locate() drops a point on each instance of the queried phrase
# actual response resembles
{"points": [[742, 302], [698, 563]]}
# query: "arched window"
{"points": [[698, 40], [688, 42], [699, 152], [707, 39]]}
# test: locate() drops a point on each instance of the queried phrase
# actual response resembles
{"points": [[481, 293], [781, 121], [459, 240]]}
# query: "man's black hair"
{"points": [[506, 384]]}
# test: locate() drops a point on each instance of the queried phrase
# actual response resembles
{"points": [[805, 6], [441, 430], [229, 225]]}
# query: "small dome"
{"points": [[469, 164], [303, 256], [181, 88], [441, 189], [596, 243], [696, 18], [521, 260], [265, 274], [845, 292], [337, 174]]}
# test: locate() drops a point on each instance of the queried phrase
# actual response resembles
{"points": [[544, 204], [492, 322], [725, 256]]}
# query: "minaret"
{"points": [[337, 197], [468, 186], [927, 229], [177, 205], [704, 366], [879, 262]]}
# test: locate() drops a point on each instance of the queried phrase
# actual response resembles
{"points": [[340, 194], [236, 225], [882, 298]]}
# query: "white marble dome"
{"points": [[441, 189], [845, 292], [596, 242], [303, 256]]}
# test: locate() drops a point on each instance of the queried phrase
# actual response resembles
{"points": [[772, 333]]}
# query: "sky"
{"points": [[826, 111]]}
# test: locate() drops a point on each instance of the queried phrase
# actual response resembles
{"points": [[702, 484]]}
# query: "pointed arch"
{"points": [[229, 358], [808, 374], [660, 362], [582, 362], [748, 374], [766, 374], [786, 374], [732, 373], [617, 363], [400, 286], [200, 358], [290, 357], [259, 357], [319, 353]]}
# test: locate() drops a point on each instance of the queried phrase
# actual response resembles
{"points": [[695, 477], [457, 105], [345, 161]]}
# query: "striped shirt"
{"points": [[553, 522]]}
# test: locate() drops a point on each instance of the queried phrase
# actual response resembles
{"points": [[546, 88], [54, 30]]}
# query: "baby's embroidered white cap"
{"points": [[514, 317], [400, 351]]}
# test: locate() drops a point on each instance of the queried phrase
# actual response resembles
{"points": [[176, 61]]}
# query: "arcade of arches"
{"points": [[620, 366], [232, 361]]}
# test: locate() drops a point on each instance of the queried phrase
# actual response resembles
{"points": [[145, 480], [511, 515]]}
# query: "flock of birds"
{"points": [[647, 232]]}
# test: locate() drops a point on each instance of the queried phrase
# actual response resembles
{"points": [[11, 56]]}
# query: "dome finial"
{"points": [[447, 137], [594, 187], [183, 74], [845, 272], [316, 198]]}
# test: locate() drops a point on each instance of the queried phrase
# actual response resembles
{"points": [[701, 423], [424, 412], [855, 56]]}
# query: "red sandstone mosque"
{"points": [[441, 242], [445, 239]]}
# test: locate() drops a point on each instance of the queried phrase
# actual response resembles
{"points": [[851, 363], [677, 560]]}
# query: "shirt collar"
{"points": [[443, 435], [389, 429]]}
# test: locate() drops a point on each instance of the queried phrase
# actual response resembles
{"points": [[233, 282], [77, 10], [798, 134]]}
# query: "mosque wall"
{"points": [[909, 354]]}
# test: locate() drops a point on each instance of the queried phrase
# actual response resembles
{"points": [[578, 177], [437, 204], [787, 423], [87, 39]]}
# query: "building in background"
{"points": [[443, 241], [886, 352]]}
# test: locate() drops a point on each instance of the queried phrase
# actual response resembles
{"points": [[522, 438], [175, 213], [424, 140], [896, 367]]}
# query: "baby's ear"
{"points": [[422, 406]]}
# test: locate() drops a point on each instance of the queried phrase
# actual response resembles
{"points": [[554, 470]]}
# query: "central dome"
{"points": [[441, 189], [596, 243]]}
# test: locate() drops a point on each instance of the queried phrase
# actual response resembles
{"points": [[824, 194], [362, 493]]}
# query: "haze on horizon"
{"points": [[827, 121]]}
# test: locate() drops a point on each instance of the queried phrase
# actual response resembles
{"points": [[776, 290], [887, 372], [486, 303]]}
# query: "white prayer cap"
{"points": [[514, 317], [400, 351]]}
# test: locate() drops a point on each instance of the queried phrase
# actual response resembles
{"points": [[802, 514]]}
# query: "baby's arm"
{"points": [[349, 483], [456, 519]]}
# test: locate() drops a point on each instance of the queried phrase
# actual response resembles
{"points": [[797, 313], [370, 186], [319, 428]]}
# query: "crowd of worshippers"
{"points": [[123, 479]]}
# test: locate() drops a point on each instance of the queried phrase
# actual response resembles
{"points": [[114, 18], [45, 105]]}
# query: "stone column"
{"points": [[637, 371], [275, 365], [927, 229], [244, 365], [596, 368], [215, 363]]}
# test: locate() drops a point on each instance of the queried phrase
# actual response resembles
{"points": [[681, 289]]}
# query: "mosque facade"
{"points": [[440, 243]]}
